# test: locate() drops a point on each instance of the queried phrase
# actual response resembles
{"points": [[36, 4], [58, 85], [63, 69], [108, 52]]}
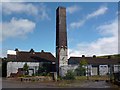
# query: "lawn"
{"points": [[92, 77]]}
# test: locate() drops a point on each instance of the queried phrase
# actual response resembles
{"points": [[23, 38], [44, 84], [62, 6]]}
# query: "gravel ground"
{"points": [[7, 83]]}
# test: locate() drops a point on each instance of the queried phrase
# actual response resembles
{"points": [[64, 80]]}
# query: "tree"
{"points": [[83, 62], [25, 68], [81, 70]]}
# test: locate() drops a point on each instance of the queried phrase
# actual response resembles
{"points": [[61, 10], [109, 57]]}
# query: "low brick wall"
{"points": [[38, 78]]}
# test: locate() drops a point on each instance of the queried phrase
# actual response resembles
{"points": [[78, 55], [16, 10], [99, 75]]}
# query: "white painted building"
{"points": [[12, 67], [97, 66], [17, 59]]}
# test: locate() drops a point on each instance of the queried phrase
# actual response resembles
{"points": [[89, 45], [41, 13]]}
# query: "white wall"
{"points": [[88, 70], [12, 67], [103, 69], [63, 69], [63, 57], [116, 68], [94, 71], [63, 61], [11, 52]]}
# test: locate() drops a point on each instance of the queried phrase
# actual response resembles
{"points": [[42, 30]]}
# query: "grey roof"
{"points": [[24, 56], [93, 61]]}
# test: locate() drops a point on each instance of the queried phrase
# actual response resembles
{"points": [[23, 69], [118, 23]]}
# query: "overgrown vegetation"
{"points": [[70, 75], [81, 70], [25, 68], [44, 70]]}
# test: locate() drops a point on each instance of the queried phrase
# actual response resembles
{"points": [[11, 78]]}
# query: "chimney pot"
{"points": [[109, 57], [31, 50], [94, 56], [83, 55], [42, 50], [16, 49]]}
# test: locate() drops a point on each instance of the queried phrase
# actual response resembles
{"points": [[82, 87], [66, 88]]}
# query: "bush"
{"points": [[59, 78], [80, 71], [26, 68], [70, 75]]}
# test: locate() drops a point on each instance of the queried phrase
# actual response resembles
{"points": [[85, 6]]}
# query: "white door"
{"points": [[31, 72]]}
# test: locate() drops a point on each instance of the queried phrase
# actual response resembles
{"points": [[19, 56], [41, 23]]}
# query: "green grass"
{"points": [[80, 79], [65, 83], [92, 77]]}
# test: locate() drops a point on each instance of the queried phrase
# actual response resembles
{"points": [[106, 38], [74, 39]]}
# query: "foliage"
{"points": [[42, 74], [41, 69], [59, 78], [81, 70], [70, 75], [44, 69], [95, 77], [46, 66], [25, 68], [83, 62]]}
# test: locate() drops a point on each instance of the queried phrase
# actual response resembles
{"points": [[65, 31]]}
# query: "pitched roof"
{"points": [[23, 56], [94, 61]]}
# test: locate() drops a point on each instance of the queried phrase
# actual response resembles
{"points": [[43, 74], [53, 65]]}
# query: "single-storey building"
{"points": [[96, 65], [17, 59]]}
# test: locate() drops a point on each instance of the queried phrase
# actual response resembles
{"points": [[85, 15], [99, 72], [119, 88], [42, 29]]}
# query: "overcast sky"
{"points": [[92, 28]]}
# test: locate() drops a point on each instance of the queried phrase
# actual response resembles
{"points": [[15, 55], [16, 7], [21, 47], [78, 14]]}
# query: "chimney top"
{"points": [[42, 50], [94, 56], [83, 55], [16, 49], [109, 57], [31, 50], [61, 7]]}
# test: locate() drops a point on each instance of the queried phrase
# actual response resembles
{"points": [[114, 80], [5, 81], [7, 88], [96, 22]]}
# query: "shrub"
{"points": [[25, 68], [81, 70], [59, 78], [70, 75]]}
